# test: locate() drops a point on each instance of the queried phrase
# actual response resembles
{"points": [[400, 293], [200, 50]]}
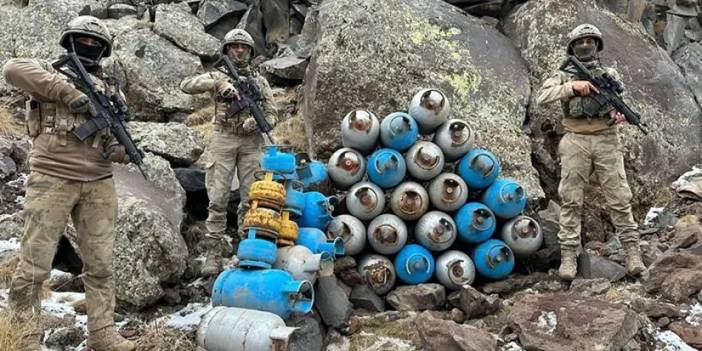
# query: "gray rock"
{"points": [[286, 67], [192, 180], [8, 166], [153, 68], [413, 45], [176, 23], [473, 303], [590, 287], [149, 249], [513, 283], [363, 297], [306, 41], [442, 335], [11, 226], [688, 58], [173, 141], [64, 281], [211, 11], [308, 336], [252, 22], [664, 102], [592, 267], [11, 16], [221, 28], [118, 11], [691, 334], [64, 338], [417, 297], [20, 154], [551, 322], [276, 20], [332, 302], [658, 309], [676, 275]]}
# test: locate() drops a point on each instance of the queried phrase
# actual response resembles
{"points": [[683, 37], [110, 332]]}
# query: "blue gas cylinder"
{"points": [[318, 210], [398, 131], [475, 223], [386, 168], [314, 175], [505, 197], [479, 168], [271, 290], [414, 264], [315, 240], [279, 161], [294, 197], [493, 259], [256, 253]]}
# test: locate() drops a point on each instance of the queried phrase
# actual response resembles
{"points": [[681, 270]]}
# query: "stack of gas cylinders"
{"points": [[279, 259], [423, 203]]}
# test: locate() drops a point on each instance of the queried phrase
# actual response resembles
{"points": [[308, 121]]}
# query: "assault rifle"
{"points": [[608, 87], [109, 112], [250, 96]]}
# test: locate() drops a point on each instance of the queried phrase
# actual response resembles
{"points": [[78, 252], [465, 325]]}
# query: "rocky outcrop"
{"points": [[173, 141], [151, 68], [564, 322], [176, 23], [442, 335], [655, 88], [412, 45]]}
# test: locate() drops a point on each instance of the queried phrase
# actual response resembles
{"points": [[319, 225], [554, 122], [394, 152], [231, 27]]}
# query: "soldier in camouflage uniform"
{"points": [[589, 146], [236, 143], [68, 178]]}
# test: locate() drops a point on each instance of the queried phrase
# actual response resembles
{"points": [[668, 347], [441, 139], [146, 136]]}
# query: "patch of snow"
{"points": [[19, 182], [652, 214], [59, 303], [9, 245], [667, 340], [694, 316], [513, 346], [547, 322], [188, 318], [19, 200]]}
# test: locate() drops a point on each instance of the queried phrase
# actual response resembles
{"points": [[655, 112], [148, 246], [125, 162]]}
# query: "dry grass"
{"points": [[292, 132], [10, 126], [7, 269], [156, 337], [201, 120], [11, 328]]}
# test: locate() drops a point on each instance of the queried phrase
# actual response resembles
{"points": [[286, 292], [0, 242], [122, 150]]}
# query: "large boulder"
{"points": [[212, 11], [567, 322], [688, 59], [151, 69], [149, 248], [655, 88], [397, 47], [173, 141], [10, 15], [442, 335], [176, 23], [677, 274]]}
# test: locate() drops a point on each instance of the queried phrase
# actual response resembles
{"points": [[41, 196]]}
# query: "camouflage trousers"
{"points": [[581, 156], [93, 208], [229, 152]]}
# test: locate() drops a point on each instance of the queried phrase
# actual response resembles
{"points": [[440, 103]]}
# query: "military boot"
{"points": [[634, 264], [107, 339], [213, 257], [569, 265]]}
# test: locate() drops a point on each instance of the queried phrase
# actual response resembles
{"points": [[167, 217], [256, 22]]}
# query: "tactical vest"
{"points": [[576, 106], [227, 122]]}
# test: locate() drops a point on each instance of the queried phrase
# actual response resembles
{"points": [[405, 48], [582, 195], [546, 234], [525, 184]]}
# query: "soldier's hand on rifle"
{"points": [[617, 116], [227, 91], [250, 125], [79, 103], [584, 88]]}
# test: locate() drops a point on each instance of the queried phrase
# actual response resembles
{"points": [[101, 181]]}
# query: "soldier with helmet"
{"points": [[68, 178], [236, 143], [590, 145]]}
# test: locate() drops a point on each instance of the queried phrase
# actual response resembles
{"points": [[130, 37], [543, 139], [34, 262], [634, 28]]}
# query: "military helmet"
{"points": [[87, 26], [237, 36], [582, 31]]}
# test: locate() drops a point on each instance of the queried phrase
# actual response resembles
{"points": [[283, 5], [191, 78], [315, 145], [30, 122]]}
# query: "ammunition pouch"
{"points": [[584, 107], [55, 118]]}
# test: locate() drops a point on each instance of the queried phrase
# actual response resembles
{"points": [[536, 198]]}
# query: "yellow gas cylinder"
{"points": [[268, 193], [265, 221], [288, 230]]}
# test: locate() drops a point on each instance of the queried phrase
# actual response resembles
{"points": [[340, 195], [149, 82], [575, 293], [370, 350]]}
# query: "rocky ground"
{"points": [[327, 57]]}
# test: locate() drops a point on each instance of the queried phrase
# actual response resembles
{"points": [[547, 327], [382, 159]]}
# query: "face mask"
{"points": [[240, 60], [585, 51], [89, 55]]}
